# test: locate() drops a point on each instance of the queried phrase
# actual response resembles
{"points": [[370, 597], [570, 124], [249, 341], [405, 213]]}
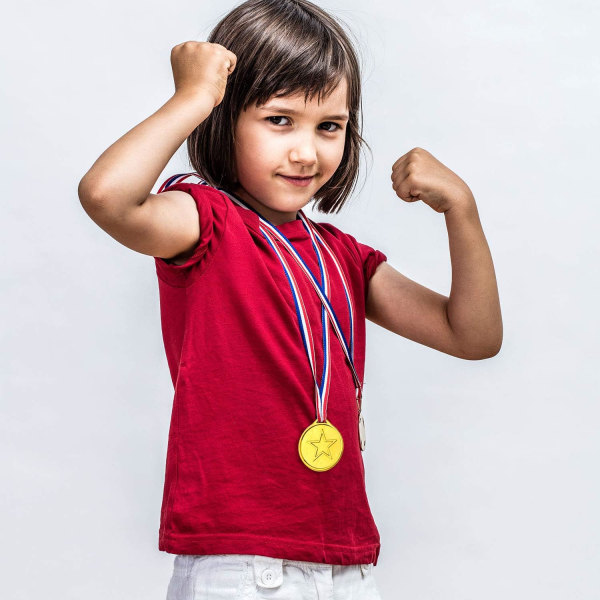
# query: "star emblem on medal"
{"points": [[322, 445]]}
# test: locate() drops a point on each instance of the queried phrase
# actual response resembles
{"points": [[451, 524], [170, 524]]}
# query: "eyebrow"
{"points": [[290, 111]]}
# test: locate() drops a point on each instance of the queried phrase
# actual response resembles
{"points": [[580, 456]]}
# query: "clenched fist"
{"points": [[418, 175], [202, 67]]}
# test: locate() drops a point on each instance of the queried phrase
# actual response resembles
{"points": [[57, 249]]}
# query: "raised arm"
{"points": [[468, 324], [115, 192]]}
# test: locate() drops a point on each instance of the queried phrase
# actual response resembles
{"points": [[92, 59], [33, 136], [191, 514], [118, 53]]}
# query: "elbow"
{"points": [[96, 202], [88, 196], [488, 354], [89, 192], [483, 352], [481, 344]]}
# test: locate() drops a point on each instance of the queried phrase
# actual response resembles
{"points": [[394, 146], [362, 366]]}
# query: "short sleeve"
{"points": [[212, 209], [370, 259], [366, 256]]}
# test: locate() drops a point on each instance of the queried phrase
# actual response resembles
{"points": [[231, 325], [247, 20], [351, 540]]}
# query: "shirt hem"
{"points": [[289, 549]]}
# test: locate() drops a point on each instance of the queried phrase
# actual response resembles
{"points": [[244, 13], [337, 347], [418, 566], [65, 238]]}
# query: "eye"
{"points": [[332, 123], [336, 126], [269, 119]]}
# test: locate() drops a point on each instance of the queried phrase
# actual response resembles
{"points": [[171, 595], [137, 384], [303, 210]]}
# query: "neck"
{"points": [[275, 217]]}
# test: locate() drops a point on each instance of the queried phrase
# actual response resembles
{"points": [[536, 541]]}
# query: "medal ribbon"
{"points": [[321, 391], [180, 178], [324, 299], [269, 231]]}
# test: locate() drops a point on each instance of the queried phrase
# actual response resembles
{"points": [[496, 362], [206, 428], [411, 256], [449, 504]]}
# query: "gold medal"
{"points": [[320, 446]]}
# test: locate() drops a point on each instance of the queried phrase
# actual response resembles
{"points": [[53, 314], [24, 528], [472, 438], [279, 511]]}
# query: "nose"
{"points": [[303, 150]]}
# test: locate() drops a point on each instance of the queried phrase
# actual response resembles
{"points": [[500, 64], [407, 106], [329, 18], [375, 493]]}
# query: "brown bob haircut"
{"points": [[283, 47]]}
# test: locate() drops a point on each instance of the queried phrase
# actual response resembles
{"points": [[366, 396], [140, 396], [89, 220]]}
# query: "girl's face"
{"points": [[287, 136]]}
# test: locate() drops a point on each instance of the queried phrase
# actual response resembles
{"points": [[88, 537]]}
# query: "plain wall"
{"points": [[482, 476]]}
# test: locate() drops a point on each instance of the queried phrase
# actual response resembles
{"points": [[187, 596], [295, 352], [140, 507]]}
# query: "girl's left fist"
{"points": [[418, 175]]}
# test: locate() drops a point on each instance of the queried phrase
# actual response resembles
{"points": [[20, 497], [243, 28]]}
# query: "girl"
{"points": [[263, 310]]}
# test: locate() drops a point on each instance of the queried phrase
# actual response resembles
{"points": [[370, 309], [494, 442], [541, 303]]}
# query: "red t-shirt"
{"points": [[244, 393]]}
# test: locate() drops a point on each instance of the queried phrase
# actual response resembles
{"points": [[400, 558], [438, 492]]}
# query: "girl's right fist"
{"points": [[202, 67]]}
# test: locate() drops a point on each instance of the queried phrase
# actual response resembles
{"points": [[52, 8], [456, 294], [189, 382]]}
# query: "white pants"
{"points": [[256, 577]]}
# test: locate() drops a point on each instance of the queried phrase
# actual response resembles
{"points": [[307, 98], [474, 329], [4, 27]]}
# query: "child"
{"points": [[263, 310]]}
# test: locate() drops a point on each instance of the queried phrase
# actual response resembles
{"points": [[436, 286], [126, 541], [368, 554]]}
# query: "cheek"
{"points": [[253, 164], [258, 148], [332, 156]]}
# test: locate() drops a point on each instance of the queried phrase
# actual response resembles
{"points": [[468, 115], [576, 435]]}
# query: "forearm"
{"points": [[126, 171], [473, 306]]}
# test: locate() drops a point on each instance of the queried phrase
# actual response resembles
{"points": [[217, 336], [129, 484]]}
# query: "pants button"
{"points": [[268, 576], [268, 572]]}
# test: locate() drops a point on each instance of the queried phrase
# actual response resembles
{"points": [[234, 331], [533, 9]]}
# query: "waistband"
{"points": [[268, 571]]}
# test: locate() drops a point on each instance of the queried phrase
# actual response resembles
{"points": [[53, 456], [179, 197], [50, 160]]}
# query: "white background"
{"points": [[482, 475]]}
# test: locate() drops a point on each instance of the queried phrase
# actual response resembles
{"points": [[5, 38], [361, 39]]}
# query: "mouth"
{"points": [[296, 180]]}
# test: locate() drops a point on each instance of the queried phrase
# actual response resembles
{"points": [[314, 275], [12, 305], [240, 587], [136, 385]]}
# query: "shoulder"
{"points": [[364, 255], [343, 239], [213, 208], [335, 232], [195, 186], [211, 203], [187, 178]]}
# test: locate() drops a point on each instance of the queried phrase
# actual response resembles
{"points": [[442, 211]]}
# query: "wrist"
{"points": [[462, 212], [465, 205], [199, 98]]}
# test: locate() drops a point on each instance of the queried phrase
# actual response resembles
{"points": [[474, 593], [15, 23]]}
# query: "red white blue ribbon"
{"points": [[272, 234], [181, 178]]}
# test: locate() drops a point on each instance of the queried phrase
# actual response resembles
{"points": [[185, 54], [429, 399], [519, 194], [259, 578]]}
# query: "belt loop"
{"points": [[365, 568], [268, 571]]}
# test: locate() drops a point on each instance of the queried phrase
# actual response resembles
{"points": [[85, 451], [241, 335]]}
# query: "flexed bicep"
{"points": [[411, 310]]}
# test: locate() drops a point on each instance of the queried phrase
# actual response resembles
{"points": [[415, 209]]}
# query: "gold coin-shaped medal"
{"points": [[320, 446]]}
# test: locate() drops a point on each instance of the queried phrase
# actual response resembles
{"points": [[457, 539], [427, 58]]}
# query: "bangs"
{"points": [[288, 64]]}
